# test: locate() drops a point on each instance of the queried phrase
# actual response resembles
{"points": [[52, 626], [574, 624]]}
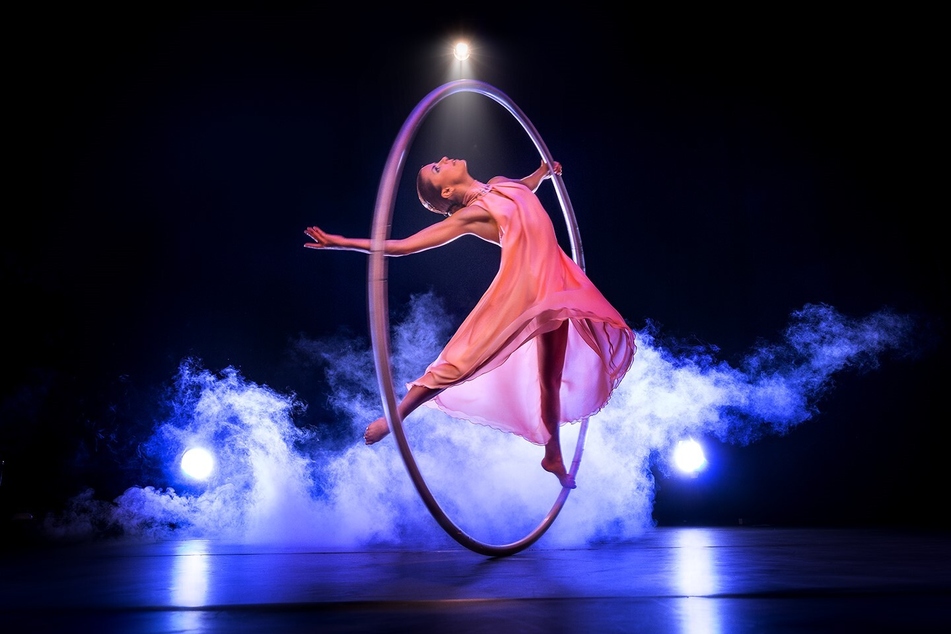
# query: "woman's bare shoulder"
{"points": [[476, 220], [473, 213]]}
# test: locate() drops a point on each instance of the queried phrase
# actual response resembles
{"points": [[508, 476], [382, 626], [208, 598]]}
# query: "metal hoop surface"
{"points": [[378, 305]]}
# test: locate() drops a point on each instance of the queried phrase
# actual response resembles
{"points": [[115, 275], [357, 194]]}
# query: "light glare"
{"points": [[461, 51], [688, 456], [198, 463]]}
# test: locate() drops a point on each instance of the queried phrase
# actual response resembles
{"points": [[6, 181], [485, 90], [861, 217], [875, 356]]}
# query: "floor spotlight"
{"points": [[688, 456], [198, 463]]}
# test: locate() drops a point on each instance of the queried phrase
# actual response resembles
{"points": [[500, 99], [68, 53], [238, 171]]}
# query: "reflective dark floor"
{"points": [[741, 579]]}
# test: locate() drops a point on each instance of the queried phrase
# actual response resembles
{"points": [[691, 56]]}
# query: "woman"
{"points": [[542, 347]]}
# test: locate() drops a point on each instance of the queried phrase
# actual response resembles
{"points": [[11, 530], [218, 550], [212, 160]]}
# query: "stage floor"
{"points": [[741, 579]]}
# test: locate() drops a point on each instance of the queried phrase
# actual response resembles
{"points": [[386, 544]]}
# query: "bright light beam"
{"points": [[688, 456], [461, 51], [198, 463]]}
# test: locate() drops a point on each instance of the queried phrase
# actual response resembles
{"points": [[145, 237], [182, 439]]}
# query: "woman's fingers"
{"points": [[316, 235]]}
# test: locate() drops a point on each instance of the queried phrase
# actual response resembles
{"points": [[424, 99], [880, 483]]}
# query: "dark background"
{"points": [[726, 169]]}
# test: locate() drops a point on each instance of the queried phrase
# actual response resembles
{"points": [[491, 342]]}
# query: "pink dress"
{"points": [[489, 369]]}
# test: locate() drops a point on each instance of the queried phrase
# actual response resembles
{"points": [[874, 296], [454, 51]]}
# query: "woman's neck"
{"points": [[476, 190], [460, 188]]}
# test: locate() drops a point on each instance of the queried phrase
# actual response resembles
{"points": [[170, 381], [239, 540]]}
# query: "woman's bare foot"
{"points": [[376, 431], [558, 468]]}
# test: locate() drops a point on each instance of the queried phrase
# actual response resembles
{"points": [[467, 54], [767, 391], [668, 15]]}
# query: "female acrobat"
{"points": [[542, 347]]}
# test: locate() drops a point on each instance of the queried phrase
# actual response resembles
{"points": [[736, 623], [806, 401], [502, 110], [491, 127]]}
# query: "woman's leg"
{"points": [[417, 395], [551, 363]]}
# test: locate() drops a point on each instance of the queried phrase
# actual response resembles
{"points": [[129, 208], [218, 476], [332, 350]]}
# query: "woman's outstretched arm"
{"points": [[469, 221], [533, 180]]}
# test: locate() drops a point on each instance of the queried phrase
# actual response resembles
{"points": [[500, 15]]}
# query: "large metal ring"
{"points": [[379, 311]]}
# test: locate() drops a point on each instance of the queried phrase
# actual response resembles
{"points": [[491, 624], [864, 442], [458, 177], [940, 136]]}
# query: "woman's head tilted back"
{"points": [[440, 184], [429, 194]]}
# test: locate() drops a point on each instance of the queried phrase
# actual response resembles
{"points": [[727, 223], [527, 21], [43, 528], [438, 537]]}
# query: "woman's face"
{"points": [[445, 172]]}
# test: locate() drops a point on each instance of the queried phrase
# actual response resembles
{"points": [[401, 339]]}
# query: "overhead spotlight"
{"points": [[198, 463], [688, 456], [461, 51]]}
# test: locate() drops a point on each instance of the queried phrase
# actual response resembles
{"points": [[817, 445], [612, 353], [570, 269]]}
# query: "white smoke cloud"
{"points": [[277, 484]]}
